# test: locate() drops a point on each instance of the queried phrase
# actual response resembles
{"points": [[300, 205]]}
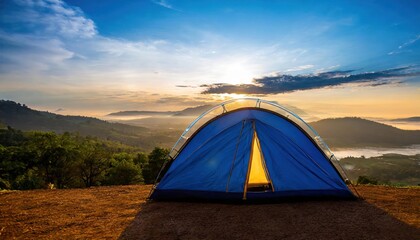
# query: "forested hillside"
{"points": [[23, 118]]}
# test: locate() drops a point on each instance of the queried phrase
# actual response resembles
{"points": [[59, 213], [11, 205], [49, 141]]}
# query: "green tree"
{"points": [[6, 168], [140, 159], [56, 157], [156, 160], [34, 159], [124, 172], [11, 137], [15, 161], [93, 162]]}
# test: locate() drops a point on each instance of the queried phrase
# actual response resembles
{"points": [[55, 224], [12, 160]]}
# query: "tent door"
{"points": [[258, 179]]}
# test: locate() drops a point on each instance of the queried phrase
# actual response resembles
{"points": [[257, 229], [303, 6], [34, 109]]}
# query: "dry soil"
{"points": [[121, 212]]}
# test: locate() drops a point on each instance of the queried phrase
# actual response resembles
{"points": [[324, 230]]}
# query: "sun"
{"points": [[237, 73]]}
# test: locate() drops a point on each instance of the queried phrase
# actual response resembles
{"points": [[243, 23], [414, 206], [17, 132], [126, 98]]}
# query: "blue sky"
{"points": [[93, 57], [359, 30]]}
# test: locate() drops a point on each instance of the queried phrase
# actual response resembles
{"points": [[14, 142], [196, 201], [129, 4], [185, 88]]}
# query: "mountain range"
{"points": [[192, 111], [338, 133], [410, 119]]}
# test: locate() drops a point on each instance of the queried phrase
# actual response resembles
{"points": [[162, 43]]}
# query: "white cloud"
{"points": [[326, 69], [405, 45], [300, 68], [164, 4], [409, 42], [33, 54], [53, 17]]}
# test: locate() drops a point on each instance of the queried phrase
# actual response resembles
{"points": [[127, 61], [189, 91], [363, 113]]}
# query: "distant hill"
{"points": [[358, 132], [21, 117], [193, 111], [138, 113], [410, 119]]}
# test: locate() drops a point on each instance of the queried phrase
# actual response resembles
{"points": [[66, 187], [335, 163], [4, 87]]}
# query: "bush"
{"points": [[366, 180], [30, 180], [4, 184], [124, 173]]}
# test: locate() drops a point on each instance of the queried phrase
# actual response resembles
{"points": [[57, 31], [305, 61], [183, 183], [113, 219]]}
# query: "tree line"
{"points": [[31, 160]]}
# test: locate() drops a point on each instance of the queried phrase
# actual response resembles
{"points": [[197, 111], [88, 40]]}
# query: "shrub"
{"points": [[4, 184], [366, 180], [156, 160], [30, 180], [124, 173]]}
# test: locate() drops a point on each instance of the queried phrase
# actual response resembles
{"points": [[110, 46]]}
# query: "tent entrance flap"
{"points": [[258, 178]]}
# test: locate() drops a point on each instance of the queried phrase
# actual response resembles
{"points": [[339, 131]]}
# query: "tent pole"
{"points": [[157, 177], [345, 174], [234, 156], [250, 161]]}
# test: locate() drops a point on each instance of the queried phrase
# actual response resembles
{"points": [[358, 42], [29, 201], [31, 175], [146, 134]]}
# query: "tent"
{"points": [[250, 149]]}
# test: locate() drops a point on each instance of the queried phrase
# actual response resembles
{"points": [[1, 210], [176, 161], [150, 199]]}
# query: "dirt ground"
{"points": [[94, 213], [121, 212]]}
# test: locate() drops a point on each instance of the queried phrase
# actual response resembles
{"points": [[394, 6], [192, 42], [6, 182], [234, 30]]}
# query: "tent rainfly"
{"points": [[250, 149]]}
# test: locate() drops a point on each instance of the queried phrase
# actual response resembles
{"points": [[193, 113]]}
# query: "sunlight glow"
{"points": [[228, 96], [237, 73]]}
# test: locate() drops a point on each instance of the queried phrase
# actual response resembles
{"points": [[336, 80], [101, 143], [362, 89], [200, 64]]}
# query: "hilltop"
{"points": [[358, 132]]}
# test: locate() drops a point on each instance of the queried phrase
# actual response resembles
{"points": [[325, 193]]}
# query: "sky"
{"points": [[327, 58]]}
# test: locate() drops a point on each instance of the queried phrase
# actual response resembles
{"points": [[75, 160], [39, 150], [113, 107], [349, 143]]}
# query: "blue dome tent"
{"points": [[250, 149]]}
